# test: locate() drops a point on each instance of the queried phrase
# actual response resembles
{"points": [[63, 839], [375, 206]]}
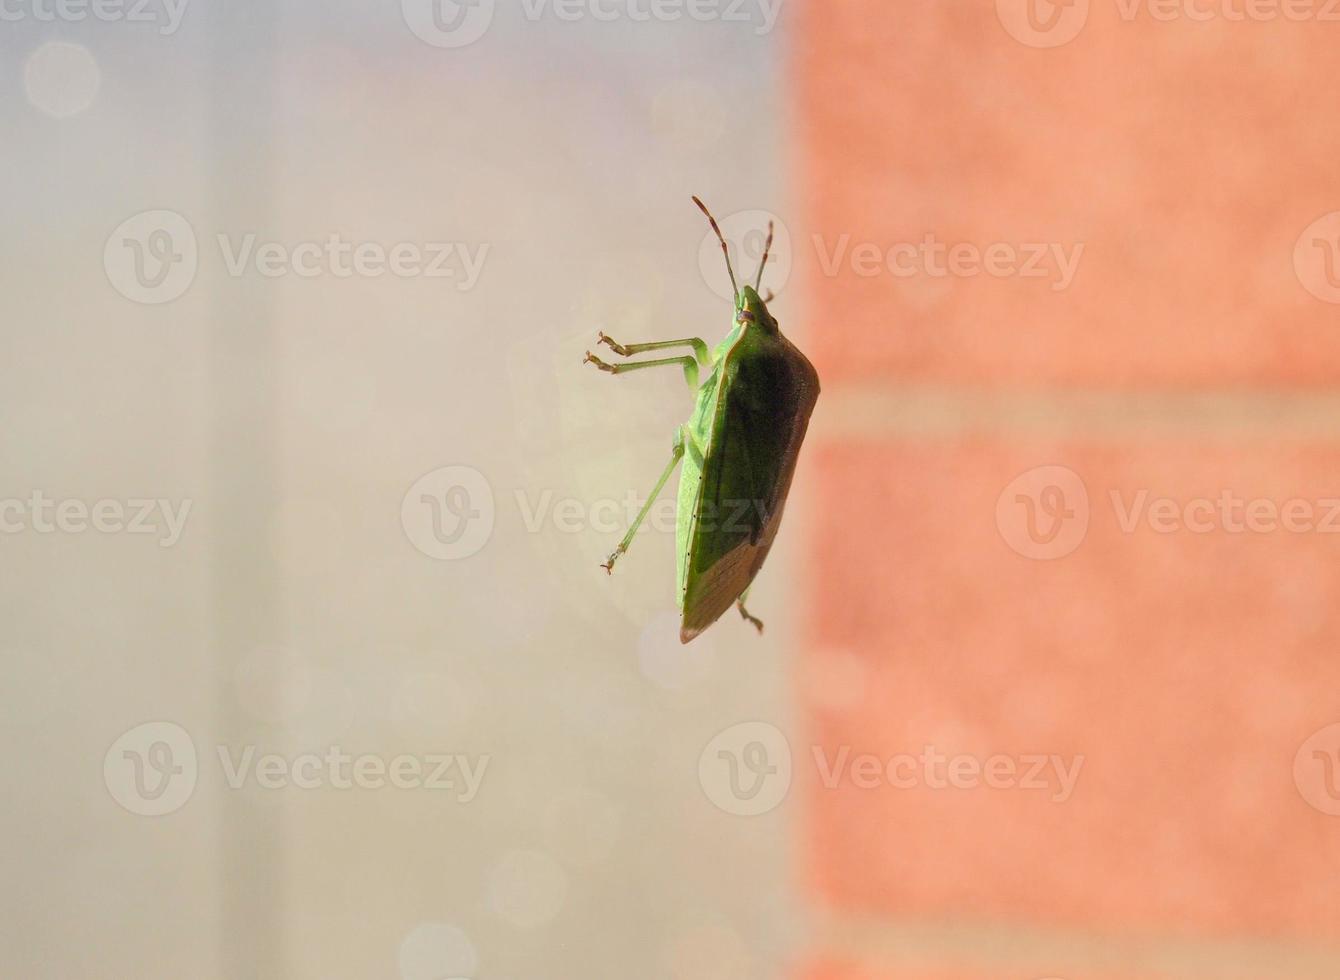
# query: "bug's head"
{"points": [[751, 311], [749, 306]]}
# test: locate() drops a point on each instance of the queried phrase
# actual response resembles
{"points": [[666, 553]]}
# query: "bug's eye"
{"points": [[745, 317]]}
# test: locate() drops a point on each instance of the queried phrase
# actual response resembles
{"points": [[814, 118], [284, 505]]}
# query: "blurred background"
{"points": [[310, 669]]}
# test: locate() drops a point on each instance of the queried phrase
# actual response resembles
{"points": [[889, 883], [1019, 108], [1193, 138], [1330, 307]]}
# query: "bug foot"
{"points": [[754, 620], [614, 345], [592, 359], [609, 562]]}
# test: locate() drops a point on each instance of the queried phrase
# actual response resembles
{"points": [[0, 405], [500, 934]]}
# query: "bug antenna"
{"points": [[767, 247], [721, 238]]}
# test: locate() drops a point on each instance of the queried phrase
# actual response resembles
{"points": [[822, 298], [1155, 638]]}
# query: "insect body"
{"points": [[738, 450]]}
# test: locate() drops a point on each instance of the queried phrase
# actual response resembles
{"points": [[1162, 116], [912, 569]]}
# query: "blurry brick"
{"points": [[848, 971], [1188, 669], [1187, 157], [837, 970]]}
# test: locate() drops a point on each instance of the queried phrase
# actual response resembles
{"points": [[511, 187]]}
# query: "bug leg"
{"points": [[700, 351], [676, 454], [754, 620], [768, 297], [689, 365]]}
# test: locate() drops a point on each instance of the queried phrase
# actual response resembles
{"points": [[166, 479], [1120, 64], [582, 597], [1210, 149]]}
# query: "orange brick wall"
{"points": [[1188, 653]]}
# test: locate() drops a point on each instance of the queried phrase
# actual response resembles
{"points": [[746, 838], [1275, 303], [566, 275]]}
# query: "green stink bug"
{"points": [[739, 450]]}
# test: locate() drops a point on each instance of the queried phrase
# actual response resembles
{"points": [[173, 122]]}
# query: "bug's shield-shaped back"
{"points": [[768, 390]]}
